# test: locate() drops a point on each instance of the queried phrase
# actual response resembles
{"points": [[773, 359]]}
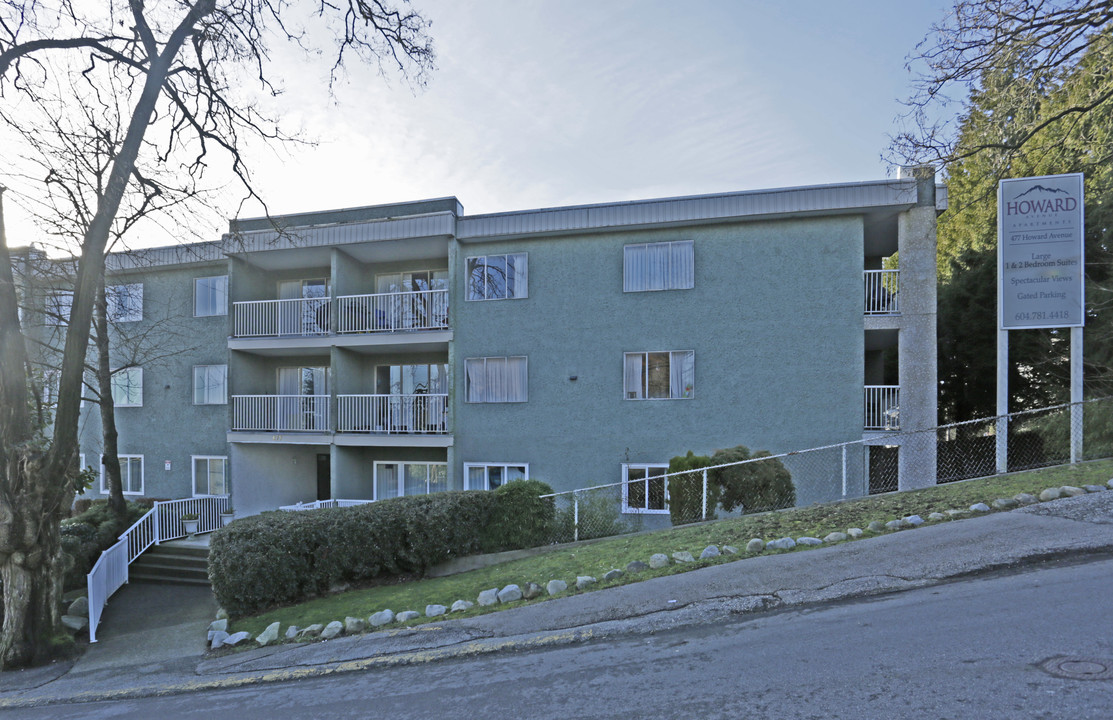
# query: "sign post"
{"points": [[1040, 280]]}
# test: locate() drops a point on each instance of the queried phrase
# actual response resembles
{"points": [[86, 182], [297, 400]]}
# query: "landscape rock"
{"points": [[709, 552], [979, 507], [806, 540], [218, 638], [312, 630], [913, 521], [954, 512], [219, 625], [1025, 499], [730, 550], [291, 632], [755, 545], [1071, 491], [75, 622], [785, 543], [1087, 488], [658, 560], [937, 517], [1109, 484], [462, 605], [236, 638], [1051, 494], [835, 537], [531, 590], [894, 525], [79, 607], [556, 587], [614, 574], [333, 629], [488, 597], [683, 556], [1003, 503], [510, 593], [269, 635], [854, 532], [584, 581], [339, 588], [435, 610], [354, 625], [876, 526], [636, 566], [383, 617], [221, 614], [407, 615]]}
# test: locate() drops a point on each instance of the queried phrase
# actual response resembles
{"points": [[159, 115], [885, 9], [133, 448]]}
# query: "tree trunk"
{"points": [[110, 457]]}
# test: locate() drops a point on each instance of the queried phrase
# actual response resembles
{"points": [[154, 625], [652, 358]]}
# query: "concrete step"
{"points": [[172, 563]]}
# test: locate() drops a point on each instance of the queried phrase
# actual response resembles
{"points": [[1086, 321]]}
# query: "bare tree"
{"points": [[174, 72]]}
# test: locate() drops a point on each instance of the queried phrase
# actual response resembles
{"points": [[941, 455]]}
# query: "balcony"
{"points": [[356, 314], [280, 413], [882, 292], [422, 414], [882, 406], [303, 317]]}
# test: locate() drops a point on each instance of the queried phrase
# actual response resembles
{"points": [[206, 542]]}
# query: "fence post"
{"points": [[844, 470], [704, 516], [156, 518], [575, 517]]}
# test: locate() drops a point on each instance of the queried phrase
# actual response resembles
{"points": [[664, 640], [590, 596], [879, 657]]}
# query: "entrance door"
{"points": [[324, 476]]}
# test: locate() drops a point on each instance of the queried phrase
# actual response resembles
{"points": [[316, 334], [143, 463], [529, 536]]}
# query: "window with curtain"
{"points": [[125, 302], [488, 476], [210, 475], [131, 474], [644, 488], [210, 384], [498, 277], [210, 296], [394, 479], [496, 379], [660, 375], [58, 305], [658, 266], [127, 387]]}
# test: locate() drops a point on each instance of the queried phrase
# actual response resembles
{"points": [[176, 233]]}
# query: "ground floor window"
{"points": [[131, 475], [210, 475], [397, 479], [488, 476], [644, 488]]}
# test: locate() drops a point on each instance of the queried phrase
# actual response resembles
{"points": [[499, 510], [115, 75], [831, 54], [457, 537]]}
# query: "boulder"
{"points": [[435, 610], [755, 545], [937, 517], [291, 632], [407, 615], [218, 638], [333, 629], [808, 541], [658, 560], [835, 537], [683, 556], [785, 543], [532, 590], [854, 533], [488, 597], [876, 526], [1051, 494], [311, 631], [219, 625], [462, 605], [1003, 504], [636, 566], [614, 574], [729, 550], [1071, 491], [912, 521], [79, 607], [76, 623], [954, 512], [894, 525], [1087, 488], [709, 552], [269, 635], [1025, 499], [221, 614], [236, 638], [556, 587], [383, 617], [583, 582], [979, 508], [354, 625], [510, 593]]}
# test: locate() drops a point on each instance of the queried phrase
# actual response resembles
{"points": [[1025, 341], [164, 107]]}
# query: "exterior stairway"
{"points": [[172, 562]]}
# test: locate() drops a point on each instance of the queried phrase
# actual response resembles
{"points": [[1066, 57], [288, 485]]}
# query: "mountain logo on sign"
{"points": [[1041, 205]]}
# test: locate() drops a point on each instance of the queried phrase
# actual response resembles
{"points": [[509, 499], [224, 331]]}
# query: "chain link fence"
{"points": [[651, 498]]}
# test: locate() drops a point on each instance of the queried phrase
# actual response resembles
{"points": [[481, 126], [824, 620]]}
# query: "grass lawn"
{"points": [[597, 557]]}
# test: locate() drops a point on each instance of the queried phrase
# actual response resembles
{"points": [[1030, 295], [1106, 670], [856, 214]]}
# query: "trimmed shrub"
{"points": [[686, 491], [753, 487], [283, 557]]}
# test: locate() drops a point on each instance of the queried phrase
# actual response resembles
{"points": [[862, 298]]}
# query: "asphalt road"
{"points": [[961, 650]]}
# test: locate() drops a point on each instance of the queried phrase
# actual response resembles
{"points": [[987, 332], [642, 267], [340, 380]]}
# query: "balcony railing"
{"points": [[882, 407], [392, 312], [422, 414], [882, 292], [280, 413], [272, 318]]}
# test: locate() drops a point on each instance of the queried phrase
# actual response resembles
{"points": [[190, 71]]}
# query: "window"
{"points": [[210, 475], [488, 476], [58, 306], [498, 277], [125, 302], [131, 475], [658, 266], [660, 375], [210, 384], [496, 379], [395, 479], [127, 387], [210, 296], [645, 489]]}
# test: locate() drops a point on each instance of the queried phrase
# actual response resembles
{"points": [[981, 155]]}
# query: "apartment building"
{"points": [[409, 348]]}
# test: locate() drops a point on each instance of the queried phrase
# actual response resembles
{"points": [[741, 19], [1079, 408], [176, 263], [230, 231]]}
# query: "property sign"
{"points": [[1040, 252]]}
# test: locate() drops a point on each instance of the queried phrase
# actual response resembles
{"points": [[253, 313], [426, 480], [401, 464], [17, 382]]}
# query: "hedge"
{"points": [[279, 558]]}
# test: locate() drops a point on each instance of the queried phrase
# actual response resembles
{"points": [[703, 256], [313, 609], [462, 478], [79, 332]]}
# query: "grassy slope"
{"points": [[597, 557]]}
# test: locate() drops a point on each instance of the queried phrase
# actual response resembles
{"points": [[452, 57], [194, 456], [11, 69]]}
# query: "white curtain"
{"points": [[386, 481], [635, 376], [681, 265], [495, 370], [682, 372], [517, 276], [517, 380], [416, 478], [477, 380], [658, 266]]}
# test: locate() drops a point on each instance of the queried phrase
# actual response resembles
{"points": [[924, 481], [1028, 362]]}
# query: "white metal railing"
{"points": [[882, 407], [318, 504], [882, 292], [392, 312], [421, 414], [162, 522], [271, 318], [280, 413]]}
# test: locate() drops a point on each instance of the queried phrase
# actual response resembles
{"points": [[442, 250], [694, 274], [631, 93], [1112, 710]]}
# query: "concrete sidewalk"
{"points": [[168, 656]]}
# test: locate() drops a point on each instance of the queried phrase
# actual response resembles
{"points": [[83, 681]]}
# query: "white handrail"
{"points": [[272, 318], [280, 413], [417, 414], [392, 312], [882, 292], [882, 407]]}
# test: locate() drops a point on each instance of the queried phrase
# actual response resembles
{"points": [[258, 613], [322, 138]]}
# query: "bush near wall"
{"points": [[752, 487], [686, 491], [279, 558], [92, 531]]}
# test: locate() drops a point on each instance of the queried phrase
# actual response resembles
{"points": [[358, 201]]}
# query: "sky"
{"points": [[542, 104]]}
